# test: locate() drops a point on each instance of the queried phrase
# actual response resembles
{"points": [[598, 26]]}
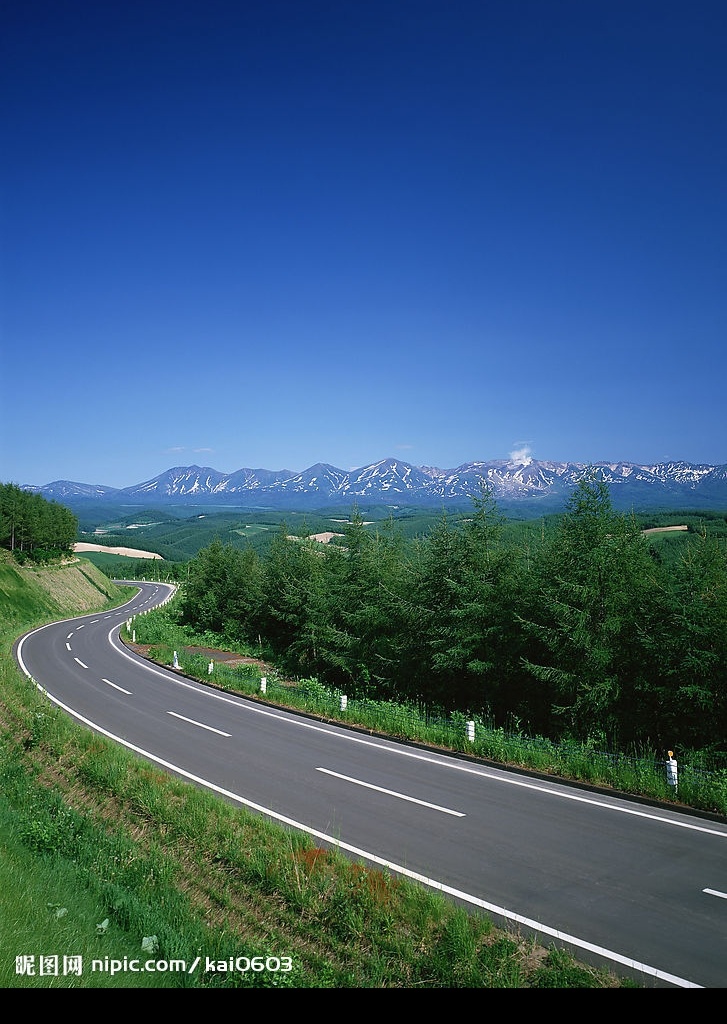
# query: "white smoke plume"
{"points": [[522, 456]]}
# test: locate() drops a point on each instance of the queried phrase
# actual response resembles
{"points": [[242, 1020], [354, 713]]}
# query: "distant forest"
{"points": [[33, 527], [580, 631]]}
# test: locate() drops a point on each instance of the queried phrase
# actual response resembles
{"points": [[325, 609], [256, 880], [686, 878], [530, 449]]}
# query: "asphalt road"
{"points": [[642, 889]]}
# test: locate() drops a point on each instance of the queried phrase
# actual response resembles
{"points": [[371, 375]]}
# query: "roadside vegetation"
{"points": [[576, 646], [108, 861], [161, 637], [580, 631]]}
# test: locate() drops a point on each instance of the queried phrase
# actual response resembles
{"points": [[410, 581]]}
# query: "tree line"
{"points": [[32, 526], [581, 633]]}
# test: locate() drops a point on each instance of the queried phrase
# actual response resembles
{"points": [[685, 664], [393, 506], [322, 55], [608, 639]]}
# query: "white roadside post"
{"points": [[210, 667], [471, 732], [344, 702], [263, 684], [671, 770], [176, 660]]}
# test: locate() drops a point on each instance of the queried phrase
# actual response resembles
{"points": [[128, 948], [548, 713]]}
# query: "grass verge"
{"points": [[641, 774], [109, 863]]}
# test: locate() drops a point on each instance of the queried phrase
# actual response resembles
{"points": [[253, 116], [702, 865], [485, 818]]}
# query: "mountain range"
{"points": [[539, 485]]}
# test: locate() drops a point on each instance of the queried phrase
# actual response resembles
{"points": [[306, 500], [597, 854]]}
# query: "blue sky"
{"points": [[264, 235]]}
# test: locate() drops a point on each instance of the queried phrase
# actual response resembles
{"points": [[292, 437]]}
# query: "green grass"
{"points": [[637, 774], [49, 918], [132, 854], [19, 602], [252, 529], [112, 565]]}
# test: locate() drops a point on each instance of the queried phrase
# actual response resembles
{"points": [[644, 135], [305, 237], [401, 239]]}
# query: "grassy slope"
{"points": [[88, 829], [46, 905]]}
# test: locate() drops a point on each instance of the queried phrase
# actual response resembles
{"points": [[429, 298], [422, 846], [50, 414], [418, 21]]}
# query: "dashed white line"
{"points": [[80, 663], [68, 646], [391, 792], [455, 766], [356, 851], [715, 892], [116, 686], [200, 724]]}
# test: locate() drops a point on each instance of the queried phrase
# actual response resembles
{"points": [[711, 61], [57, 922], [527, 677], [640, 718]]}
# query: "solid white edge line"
{"points": [[391, 865], [397, 868], [248, 704]]}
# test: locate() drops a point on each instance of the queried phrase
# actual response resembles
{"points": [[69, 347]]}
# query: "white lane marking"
{"points": [[392, 792], [116, 686], [336, 842], [81, 625], [69, 636], [68, 646], [389, 865], [94, 620], [200, 724], [715, 892], [80, 663], [453, 765]]}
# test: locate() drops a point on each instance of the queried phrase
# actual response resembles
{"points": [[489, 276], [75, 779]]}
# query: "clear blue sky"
{"points": [[266, 234]]}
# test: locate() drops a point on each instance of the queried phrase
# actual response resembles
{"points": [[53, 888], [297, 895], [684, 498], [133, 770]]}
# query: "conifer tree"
{"points": [[592, 616]]}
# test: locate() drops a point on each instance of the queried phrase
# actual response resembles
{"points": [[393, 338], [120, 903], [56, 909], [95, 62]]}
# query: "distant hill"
{"points": [[536, 485]]}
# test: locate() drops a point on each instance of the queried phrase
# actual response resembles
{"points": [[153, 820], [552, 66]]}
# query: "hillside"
{"points": [[33, 593]]}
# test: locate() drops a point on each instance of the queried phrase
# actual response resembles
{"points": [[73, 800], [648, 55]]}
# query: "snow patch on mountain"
{"points": [[507, 479]]}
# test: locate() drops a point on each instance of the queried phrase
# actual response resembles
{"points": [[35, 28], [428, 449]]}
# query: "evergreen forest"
{"points": [[582, 631], [33, 527]]}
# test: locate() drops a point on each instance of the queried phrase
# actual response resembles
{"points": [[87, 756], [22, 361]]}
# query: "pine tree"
{"points": [[592, 616]]}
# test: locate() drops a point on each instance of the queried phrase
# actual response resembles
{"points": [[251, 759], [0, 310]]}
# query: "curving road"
{"points": [[642, 889]]}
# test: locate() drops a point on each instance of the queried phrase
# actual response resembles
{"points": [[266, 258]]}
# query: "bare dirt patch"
{"points": [[211, 653], [129, 552]]}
